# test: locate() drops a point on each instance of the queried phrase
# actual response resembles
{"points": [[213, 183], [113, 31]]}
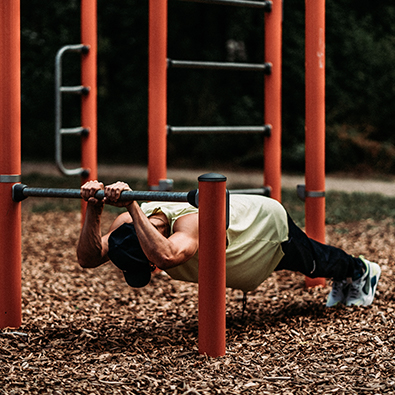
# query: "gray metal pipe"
{"points": [[264, 129], [22, 191], [192, 64], [266, 5]]}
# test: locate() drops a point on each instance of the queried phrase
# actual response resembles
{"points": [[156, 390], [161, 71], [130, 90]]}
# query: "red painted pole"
{"points": [[212, 264], [315, 124], [10, 164], [157, 88], [272, 93], [89, 101]]}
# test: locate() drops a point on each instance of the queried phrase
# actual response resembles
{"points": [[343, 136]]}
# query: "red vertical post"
{"points": [[157, 97], [212, 264], [89, 101], [315, 124], [272, 94], [10, 164]]}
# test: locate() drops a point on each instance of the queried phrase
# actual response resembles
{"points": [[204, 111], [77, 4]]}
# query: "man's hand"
{"points": [[88, 191], [113, 192]]}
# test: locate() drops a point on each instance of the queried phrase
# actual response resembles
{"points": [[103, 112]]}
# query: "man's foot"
{"points": [[361, 292], [338, 293]]}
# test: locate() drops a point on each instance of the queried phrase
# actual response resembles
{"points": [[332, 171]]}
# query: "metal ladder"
{"points": [[59, 90], [265, 68]]}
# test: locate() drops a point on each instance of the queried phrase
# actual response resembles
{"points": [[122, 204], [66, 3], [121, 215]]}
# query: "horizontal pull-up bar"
{"points": [[192, 64], [22, 191], [266, 5], [264, 129]]}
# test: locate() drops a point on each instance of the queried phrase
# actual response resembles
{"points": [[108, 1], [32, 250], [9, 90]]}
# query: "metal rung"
{"points": [[265, 129], [83, 90], [78, 130], [266, 5], [264, 191], [265, 67]]}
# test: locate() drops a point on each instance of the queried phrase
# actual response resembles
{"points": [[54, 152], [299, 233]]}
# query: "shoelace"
{"points": [[338, 286], [355, 288]]}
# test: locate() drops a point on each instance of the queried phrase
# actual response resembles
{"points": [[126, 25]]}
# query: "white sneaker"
{"points": [[361, 291], [338, 293]]}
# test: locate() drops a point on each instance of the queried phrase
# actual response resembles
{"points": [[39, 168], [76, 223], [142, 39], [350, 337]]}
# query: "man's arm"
{"points": [[89, 249], [164, 252], [92, 246], [161, 251]]}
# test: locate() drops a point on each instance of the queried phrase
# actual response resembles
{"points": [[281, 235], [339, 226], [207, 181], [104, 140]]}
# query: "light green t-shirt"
{"points": [[257, 227]]}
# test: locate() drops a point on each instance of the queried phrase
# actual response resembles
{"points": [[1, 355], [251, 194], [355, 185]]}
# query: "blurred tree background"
{"points": [[360, 82]]}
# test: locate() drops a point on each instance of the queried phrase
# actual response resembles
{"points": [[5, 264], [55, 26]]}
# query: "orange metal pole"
{"points": [[315, 124], [212, 264], [272, 93], [157, 88], [10, 164], [89, 101]]}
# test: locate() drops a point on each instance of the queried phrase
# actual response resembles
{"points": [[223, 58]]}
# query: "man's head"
{"points": [[126, 253]]}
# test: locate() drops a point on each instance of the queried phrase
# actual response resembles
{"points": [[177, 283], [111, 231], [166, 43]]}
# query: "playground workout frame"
{"points": [[210, 188], [212, 200], [158, 130]]}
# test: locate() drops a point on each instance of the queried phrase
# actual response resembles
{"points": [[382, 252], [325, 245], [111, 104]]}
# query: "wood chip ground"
{"points": [[87, 332]]}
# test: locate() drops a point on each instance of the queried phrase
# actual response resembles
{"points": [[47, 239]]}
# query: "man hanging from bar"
{"points": [[261, 238]]}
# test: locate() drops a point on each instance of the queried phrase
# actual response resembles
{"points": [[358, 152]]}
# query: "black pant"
{"points": [[314, 259]]}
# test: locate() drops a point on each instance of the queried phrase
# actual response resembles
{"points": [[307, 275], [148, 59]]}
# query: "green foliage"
{"points": [[360, 53]]}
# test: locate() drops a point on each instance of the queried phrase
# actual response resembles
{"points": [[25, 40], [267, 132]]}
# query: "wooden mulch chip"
{"points": [[87, 332]]}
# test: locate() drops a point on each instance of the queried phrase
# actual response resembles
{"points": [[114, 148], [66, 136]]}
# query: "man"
{"points": [[261, 238]]}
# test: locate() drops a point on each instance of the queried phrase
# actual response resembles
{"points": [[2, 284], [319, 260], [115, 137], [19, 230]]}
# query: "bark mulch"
{"points": [[87, 332]]}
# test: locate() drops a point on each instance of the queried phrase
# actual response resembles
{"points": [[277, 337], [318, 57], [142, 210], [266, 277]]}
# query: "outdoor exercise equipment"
{"points": [[158, 130], [212, 200], [10, 140], [21, 192], [10, 164], [315, 124]]}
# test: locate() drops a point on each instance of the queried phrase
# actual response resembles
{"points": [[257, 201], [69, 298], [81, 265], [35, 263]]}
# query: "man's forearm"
{"points": [[89, 249]]}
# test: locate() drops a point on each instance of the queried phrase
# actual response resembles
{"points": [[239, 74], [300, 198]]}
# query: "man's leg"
{"points": [[315, 259], [354, 280]]}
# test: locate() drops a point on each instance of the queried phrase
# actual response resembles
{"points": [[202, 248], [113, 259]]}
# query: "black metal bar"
{"points": [[265, 129], [192, 64], [79, 130], [83, 90], [266, 5], [21, 192], [264, 191]]}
